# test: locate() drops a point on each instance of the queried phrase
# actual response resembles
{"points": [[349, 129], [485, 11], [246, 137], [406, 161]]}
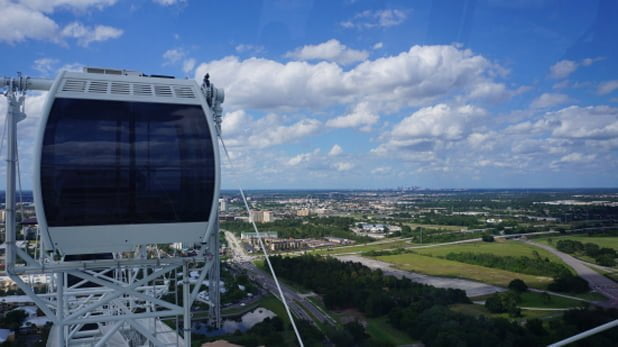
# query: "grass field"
{"points": [[602, 241], [473, 310], [442, 267], [436, 226], [362, 248], [500, 248], [533, 299], [271, 303], [476, 310], [381, 330]]}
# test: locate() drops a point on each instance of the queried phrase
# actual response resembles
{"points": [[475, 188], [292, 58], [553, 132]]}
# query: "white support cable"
{"points": [[21, 196], [257, 233], [3, 134], [585, 334]]}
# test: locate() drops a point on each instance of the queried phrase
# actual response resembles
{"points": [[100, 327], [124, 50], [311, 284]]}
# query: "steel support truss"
{"points": [[121, 301], [89, 304]]}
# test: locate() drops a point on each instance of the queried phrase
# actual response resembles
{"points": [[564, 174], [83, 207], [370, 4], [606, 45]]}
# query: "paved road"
{"points": [[237, 250], [478, 239], [299, 305], [596, 281], [472, 288]]}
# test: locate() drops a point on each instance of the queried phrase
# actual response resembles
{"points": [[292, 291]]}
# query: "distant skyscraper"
{"points": [[222, 205]]}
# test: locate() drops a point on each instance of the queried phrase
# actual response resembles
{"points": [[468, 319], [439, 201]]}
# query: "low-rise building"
{"points": [[303, 212], [338, 240], [285, 244], [261, 216]]}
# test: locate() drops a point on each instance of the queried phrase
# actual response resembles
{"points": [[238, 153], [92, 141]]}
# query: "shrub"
{"points": [[605, 260], [488, 238], [518, 285], [503, 302], [570, 283]]}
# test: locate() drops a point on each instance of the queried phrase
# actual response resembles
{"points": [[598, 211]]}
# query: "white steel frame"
{"points": [[128, 299]]}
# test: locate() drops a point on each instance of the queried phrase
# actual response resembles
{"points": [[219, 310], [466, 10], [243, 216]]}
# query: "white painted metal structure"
{"points": [[118, 300]]}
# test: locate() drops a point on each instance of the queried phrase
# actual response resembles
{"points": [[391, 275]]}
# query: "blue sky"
{"points": [[360, 94]]}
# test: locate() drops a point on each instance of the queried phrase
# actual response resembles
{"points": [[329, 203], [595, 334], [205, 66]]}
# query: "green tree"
{"points": [[503, 302], [569, 283], [605, 260], [488, 238], [518, 285], [13, 319]]}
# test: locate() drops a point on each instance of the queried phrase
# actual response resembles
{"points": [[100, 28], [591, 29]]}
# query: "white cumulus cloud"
{"points": [[418, 75], [169, 2], [548, 100], [607, 87], [439, 121], [173, 55], [577, 158], [331, 50], [188, 65], [242, 131], [344, 166], [576, 122], [247, 48], [45, 65], [29, 20], [335, 150], [360, 116], [562, 69], [19, 23], [302, 158], [85, 35], [376, 19], [49, 6]]}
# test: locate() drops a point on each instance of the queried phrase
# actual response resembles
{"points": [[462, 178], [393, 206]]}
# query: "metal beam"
{"points": [[109, 333], [586, 333]]}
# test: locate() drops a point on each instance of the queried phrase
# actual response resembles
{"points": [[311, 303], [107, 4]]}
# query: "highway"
{"points": [[299, 305], [478, 239], [596, 281]]}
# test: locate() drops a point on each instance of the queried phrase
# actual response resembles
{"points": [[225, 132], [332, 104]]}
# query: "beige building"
{"points": [[261, 216], [303, 212], [281, 245]]}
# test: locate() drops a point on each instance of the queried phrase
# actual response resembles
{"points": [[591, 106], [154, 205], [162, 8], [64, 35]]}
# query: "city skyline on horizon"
{"points": [[360, 95]]}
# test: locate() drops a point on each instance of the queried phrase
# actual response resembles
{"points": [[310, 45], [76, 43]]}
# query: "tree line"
{"points": [[420, 310], [602, 255], [537, 265]]}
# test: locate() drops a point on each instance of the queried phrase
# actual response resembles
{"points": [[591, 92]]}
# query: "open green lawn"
{"points": [[381, 330], [533, 299], [500, 248], [362, 248], [602, 241], [592, 296], [474, 310], [436, 226], [270, 302], [442, 267], [480, 310]]}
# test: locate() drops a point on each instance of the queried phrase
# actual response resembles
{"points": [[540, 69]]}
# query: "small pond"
{"points": [[230, 326]]}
